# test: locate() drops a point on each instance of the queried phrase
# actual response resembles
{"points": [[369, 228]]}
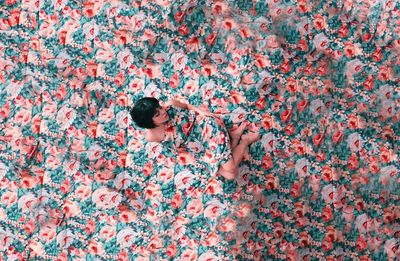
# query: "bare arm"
{"points": [[190, 107]]}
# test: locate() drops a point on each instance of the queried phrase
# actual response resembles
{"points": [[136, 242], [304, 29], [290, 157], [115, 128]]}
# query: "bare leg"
{"points": [[231, 169]]}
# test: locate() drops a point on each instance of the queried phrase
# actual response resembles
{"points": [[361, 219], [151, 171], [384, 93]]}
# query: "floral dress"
{"points": [[184, 198], [203, 137]]}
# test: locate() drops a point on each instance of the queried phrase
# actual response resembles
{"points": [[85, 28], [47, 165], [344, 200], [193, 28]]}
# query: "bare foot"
{"points": [[236, 133], [246, 155], [250, 137]]}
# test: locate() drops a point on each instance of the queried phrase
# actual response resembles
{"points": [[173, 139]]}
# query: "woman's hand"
{"points": [[204, 113]]}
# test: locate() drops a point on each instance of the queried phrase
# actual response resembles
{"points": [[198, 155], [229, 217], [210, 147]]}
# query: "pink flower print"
{"points": [[23, 116], [36, 248], [27, 202], [214, 187], [353, 67], [105, 198], [302, 167], [172, 250], [176, 200], [319, 22], [127, 215], [213, 209], [9, 198], [354, 142], [195, 207], [391, 248], [189, 255], [243, 210], [179, 60], [155, 243], [165, 175], [227, 224], [183, 179], [126, 237], [71, 209], [328, 193], [65, 116], [5, 110], [49, 108], [321, 42], [94, 152], [107, 233], [152, 191], [208, 69], [65, 238], [47, 234], [123, 256], [96, 248], [212, 239]]}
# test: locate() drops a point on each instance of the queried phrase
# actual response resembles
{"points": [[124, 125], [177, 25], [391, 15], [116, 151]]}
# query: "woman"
{"points": [[187, 126]]}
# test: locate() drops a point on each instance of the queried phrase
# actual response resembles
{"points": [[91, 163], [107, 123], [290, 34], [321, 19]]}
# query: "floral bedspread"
{"points": [[318, 79]]}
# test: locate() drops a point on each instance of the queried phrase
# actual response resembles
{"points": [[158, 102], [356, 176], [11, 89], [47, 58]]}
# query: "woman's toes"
{"points": [[238, 131]]}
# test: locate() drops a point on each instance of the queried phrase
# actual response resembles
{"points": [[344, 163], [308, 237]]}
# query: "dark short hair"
{"points": [[143, 111]]}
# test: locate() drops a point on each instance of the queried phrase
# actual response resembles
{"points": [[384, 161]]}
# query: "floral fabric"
{"points": [[319, 79]]}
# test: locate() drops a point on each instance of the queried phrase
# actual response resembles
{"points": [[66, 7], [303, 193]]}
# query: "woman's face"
{"points": [[161, 116]]}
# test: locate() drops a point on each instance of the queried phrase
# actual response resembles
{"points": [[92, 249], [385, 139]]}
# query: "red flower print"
{"points": [[285, 115], [304, 239], [285, 67], [327, 244], [319, 22], [267, 162], [120, 138], [369, 83], [374, 165], [183, 29], [317, 139], [176, 201], [295, 190], [179, 16], [377, 55], [349, 50], [361, 243], [366, 37], [385, 73], [148, 169], [210, 39], [261, 61], [343, 31], [260, 104], [122, 99], [337, 136], [120, 79], [88, 9], [301, 105], [290, 129], [13, 17], [291, 85], [352, 162], [271, 182], [327, 214], [91, 68], [302, 45], [171, 250]]}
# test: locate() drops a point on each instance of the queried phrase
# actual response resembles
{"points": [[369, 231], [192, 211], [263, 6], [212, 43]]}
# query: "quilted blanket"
{"points": [[318, 79]]}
